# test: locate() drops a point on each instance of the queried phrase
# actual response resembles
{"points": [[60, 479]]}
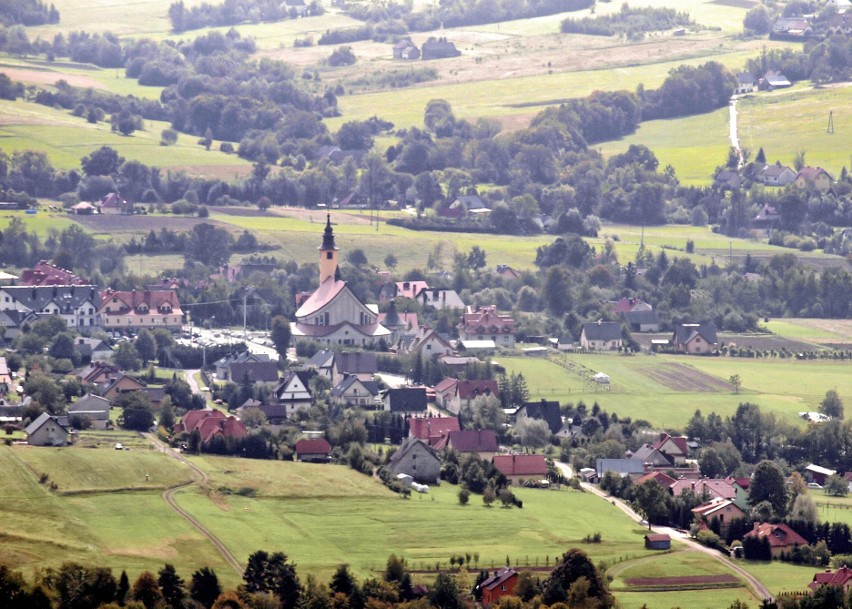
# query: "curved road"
{"points": [[168, 496], [759, 589]]}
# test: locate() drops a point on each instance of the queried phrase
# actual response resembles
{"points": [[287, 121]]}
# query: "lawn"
{"points": [[691, 599], [360, 522], [781, 576], [818, 331], [785, 122], [639, 388]]}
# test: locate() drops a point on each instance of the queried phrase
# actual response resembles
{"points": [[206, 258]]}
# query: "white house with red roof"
{"points": [[468, 390], [519, 469], [674, 448], [333, 314], [485, 323], [136, 309]]}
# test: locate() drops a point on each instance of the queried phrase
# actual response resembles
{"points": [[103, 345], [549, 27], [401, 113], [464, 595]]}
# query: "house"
{"points": [[520, 469], [789, 28], [625, 305], [45, 273], [83, 208], [776, 174], [223, 366], [406, 400], [722, 510], [705, 489], [440, 298], [548, 411], [405, 49], [445, 391], [5, 376], [817, 474], [432, 429], [438, 48], [766, 217], [417, 459], [817, 177], [293, 392], [333, 314], [354, 392], [675, 448], [275, 414], [745, 83], [695, 339], [211, 423], [323, 362], [410, 289], [601, 336], [485, 323], [658, 541], [315, 450], [77, 305], [360, 364], [467, 391], [113, 204], [114, 386], [92, 348], [254, 372], [296, 8], [92, 407], [620, 467], [727, 179], [650, 456], [481, 443], [662, 478], [46, 430], [507, 272], [643, 321], [501, 584], [842, 578], [427, 342], [773, 80], [11, 322], [97, 372], [137, 309], [782, 538]]}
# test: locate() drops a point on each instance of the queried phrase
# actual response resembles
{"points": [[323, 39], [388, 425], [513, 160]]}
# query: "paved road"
{"points": [[757, 587], [168, 496]]}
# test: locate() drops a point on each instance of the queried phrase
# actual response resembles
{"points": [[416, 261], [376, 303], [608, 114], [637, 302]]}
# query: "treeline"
{"points": [[633, 23], [27, 12], [820, 61], [271, 579], [233, 12]]}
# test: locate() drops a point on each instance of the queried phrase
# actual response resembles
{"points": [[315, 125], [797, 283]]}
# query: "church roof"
{"points": [[328, 236], [323, 295]]}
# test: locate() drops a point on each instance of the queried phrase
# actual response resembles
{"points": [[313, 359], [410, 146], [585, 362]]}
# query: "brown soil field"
{"points": [[683, 378], [687, 580], [141, 224], [764, 341]]}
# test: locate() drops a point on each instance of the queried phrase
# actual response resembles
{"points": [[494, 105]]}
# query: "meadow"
{"points": [[666, 390]]}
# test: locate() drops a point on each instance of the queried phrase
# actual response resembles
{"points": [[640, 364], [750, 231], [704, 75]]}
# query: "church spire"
{"points": [[328, 236], [328, 254]]}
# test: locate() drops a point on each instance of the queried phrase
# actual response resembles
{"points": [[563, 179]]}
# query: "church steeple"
{"points": [[328, 253]]}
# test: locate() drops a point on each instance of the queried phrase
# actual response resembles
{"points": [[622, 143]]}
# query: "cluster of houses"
{"points": [[433, 48]]}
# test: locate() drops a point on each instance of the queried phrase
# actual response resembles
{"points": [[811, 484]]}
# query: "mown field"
{"points": [[666, 390]]}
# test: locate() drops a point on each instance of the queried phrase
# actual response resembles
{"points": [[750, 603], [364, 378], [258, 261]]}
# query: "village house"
{"points": [[485, 323], [782, 539], [114, 386], [409, 289], [426, 342], [46, 430], [643, 321], [767, 217], [776, 174], [520, 469], [224, 366], [501, 584], [817, 177], [405, 49], [417, 459], [675, 448], [97, 373], [210, 423], [773, 80], [361, 364], [467, 391], [333, 314], [695, 339], [312, 450], [138, 309], [405, 400], [77, 305], [45, 273], [438, 48], [92, 407], [601, 336], [722, 510], [507, 272], [625, 305], [322, 362], [481, 443], [92, 348], [745, 83], [113, 204], [293, 392], [544, 410], [842, 578], [353, 392], [432, 429], [439, 298]]}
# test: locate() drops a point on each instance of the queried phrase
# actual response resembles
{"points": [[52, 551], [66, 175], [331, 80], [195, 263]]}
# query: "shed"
{"points": [[657, 541]]}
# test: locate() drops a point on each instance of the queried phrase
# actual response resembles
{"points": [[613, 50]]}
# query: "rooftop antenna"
{"points": [[830, 122]]}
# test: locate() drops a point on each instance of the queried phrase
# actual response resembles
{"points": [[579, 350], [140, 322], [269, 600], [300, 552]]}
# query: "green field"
{"points": [[787, 121], [783, 387], [780, 576]]}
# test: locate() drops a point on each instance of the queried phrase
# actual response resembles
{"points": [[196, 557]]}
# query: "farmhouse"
{"points": [[92, 407], [695, 339], [333, 314], [776, 175], [773, 80], [417, 459], [405, 49], [745, 83], [643, 321], [485, 323], [113, 204], [781, 537], [601, 336], [501, 584], [519, 469], [46, 430], [817, 474]]}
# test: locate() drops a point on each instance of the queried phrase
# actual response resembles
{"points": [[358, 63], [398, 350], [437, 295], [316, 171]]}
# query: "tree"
{"points": [[768, 484], [711, 464], [391, 261], [208, 245], [204, 587], [757, 20], [122, 589], [476, 258], [146, 590], [357, 257], [280, 335], [272, 573], [146, 346], [137, 411], [836, 486], [832, 405], [172, 586], [77, 586], [127, 356], [445, 593], [343, 582], [104, 161], [652, 501], [573, 565], [804, 509], [736, 382], [533, 433]]}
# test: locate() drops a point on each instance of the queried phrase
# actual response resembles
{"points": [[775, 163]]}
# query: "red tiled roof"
{"points": [[664, 479], [837, 578], [469, 441], [410, 289], [779, 535], [498, 578], [468, 390], [132, 299], [679, 441], [434, 427], [712, 487], [323, 295], [45, 273], [446, 385], [318, 446], [487, 318], [521, 465], [625, 305]]}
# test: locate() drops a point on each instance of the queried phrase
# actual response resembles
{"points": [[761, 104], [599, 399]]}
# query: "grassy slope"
{"points": [[784, 387]]}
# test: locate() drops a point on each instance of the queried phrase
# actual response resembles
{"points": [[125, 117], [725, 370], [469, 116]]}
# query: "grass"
{"points": [[783, 387], [785, 122], [702, 144], [40, 223], [812, 330], [780, 576], [675, 564], [356, 520], [694, 599]]}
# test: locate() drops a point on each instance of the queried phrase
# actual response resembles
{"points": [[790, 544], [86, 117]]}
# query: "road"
{"points": [[757, 587], [735, 140], [200, 477]]}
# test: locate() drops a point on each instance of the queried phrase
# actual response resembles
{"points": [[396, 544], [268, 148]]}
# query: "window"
{"points": [[329, 255]]}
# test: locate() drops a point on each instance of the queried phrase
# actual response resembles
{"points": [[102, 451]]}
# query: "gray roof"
{"points": [[89, 403], [407, 444], [41, 420], [349, 380], [68, 298], [602, 330], [320, 358], [356, 362], [684, 333], [258, 372], [642, 317], [407, 399], [621, 467]]}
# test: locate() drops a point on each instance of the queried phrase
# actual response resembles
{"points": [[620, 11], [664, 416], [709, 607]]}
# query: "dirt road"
{"points": [[200, 478]]}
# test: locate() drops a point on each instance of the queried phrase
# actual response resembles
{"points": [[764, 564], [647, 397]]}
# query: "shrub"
{"points": [[464, 496]]}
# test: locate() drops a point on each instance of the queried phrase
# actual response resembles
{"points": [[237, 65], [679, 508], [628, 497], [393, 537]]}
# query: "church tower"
{"points": [[328, 253]]}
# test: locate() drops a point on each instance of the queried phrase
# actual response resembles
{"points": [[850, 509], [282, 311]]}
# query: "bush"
{"points": [[464, 496], [342, 56], [710, 539], [168, 137]]}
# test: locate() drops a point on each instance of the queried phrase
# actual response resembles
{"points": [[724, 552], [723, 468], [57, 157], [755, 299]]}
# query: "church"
{"points": [[333, 314]]}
